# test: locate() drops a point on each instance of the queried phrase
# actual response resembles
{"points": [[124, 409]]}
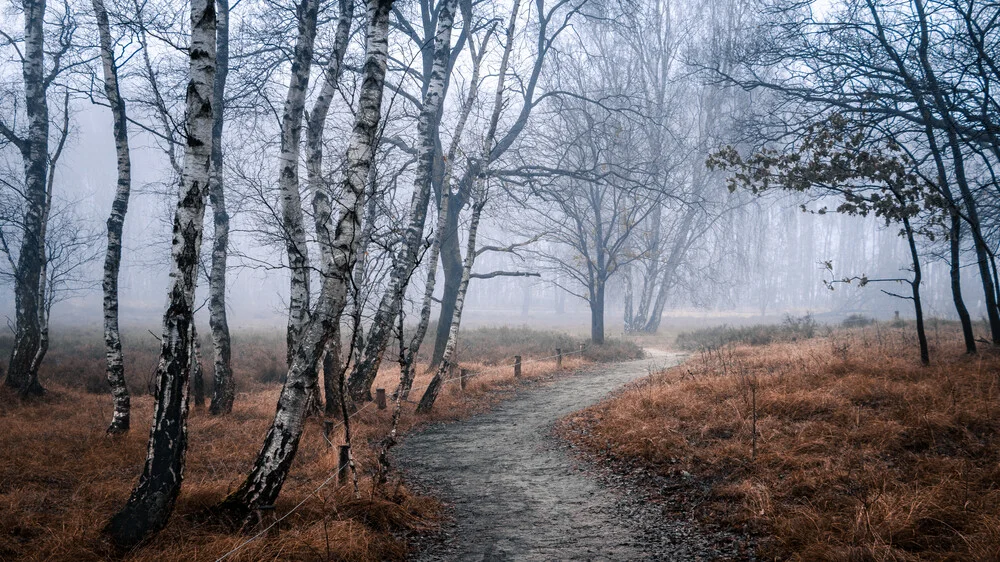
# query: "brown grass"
{"points": [[862, 454], [61, 478]]}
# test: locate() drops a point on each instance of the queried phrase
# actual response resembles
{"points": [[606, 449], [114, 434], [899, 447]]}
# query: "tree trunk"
{"points": [[119, 207], [152, 500], [430, 395], [597, 315], [480, 195], [35, 153], [915, 285], [364, 371], [197, 372], [956, 283], [451, 263], [333, 372], [292, 218], [339, 250], [224, 389]]}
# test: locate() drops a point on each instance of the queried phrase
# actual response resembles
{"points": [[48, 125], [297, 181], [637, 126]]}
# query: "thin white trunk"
{"points": [[115, 370], [409, 355], [35, 154], [480, 197], [224, 390], [292, 218]]}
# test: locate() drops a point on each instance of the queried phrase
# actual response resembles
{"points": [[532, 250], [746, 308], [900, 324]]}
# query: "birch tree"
{"points": [[338, 248], [292, 221], [120, 418], [480, 196], [33, 146], [315, 127], [365, 369], [152, 500], [224, 389]]}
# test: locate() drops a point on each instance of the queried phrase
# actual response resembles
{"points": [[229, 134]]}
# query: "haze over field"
{"points": [[201, 200]]}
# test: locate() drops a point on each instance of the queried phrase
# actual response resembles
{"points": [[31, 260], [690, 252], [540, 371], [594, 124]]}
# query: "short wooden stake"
{"points": [[380, 398], [517, 366], [558, 358], [464, 378], [266, 516], [343, 463], [327, 430]]}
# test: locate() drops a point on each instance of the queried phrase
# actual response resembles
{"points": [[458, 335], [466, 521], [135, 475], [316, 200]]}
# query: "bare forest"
{"points": [[528, 279]]}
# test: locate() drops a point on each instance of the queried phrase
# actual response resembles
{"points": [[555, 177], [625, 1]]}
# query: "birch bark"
{"points": [[338, 244], [224, 389], [35, 154], [315, 127], [365, 369], [410, 353], [292, 218], [115, 369], [152, 500], [480, 197]]}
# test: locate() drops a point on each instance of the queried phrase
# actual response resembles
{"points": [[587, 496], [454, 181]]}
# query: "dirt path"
{"points": [[518, 494]]}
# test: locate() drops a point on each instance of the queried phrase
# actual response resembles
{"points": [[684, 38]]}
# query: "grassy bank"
{"points": [[860, 453], [61, 478]]}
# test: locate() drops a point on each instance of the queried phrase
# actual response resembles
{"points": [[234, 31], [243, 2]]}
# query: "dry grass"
{"points": [[862, 454], [61, 478]]}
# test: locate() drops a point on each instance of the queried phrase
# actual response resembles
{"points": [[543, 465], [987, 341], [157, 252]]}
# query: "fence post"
{"points": [[267, 516], [558, 358], [464, 377], [380, 398], [327, 430], [343, 463], [517, 366]]}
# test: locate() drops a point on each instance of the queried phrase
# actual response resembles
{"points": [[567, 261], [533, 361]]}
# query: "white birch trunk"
{"points": [[292, 218], [152, 500], [339, 244], [365, 369], [224, 388], [35, 154], [115, 370]]}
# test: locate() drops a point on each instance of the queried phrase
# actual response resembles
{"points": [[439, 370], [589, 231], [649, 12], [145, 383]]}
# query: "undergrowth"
{"points": [[61, 477], [860, 453]]}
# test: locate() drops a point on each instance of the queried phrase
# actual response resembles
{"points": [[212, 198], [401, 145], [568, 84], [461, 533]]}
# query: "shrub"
{"points": [[791, 329], [856, 321]]}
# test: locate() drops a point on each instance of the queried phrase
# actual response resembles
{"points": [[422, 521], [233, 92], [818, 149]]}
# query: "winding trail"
{"points": [[518, 494]]}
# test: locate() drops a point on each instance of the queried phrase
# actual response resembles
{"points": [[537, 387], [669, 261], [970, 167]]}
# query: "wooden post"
{"points": [[558, 358], [343, 463], [517, 366], [380, 398], [266, 516], [464, 378], [327, 430]]}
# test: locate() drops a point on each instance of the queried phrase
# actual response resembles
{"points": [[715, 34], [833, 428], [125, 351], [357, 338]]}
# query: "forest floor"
{"points": [[516, 492], [61, 477], [839, 446]]}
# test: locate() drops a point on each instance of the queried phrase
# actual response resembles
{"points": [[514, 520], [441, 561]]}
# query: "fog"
{"points": [[625, 165]]}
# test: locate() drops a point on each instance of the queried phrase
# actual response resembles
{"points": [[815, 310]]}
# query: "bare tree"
{"points": [[152, 500], [224, 389], [338, 245], [364, 370], [40, 66], [120, 418]]}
